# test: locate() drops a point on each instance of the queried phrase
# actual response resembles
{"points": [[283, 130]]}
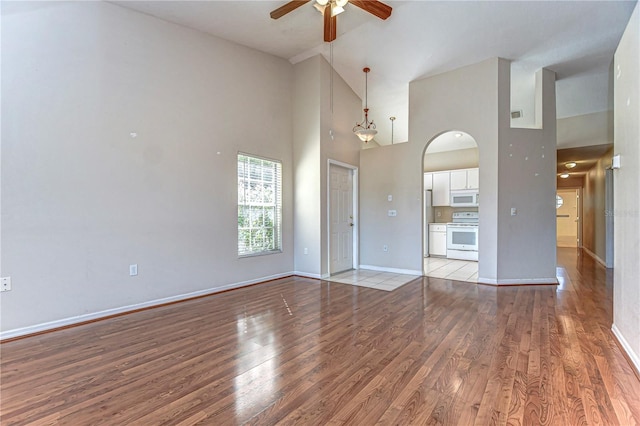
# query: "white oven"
{"points": [[464, 198], [462, 236]]}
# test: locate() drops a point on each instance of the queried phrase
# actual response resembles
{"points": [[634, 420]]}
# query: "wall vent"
{"points": [[516, 114]]}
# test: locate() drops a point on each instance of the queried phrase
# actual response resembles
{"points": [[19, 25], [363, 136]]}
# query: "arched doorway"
{"points": [[451, 208]]}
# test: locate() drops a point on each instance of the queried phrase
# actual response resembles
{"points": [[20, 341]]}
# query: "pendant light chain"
{"points": [[366, 90], [331, 75]]}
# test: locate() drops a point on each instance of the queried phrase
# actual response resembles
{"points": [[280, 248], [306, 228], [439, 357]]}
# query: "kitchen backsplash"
{"points": [[445, 214]]}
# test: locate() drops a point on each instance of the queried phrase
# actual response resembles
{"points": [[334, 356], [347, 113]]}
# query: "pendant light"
{"points": [[367, 129], [392, 120]]}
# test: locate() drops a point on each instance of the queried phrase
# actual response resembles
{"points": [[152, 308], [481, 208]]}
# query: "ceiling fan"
{"points": [[331, 8]]}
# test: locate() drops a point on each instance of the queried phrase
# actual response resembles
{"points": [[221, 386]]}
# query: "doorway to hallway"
{"points": [[567, 218]]}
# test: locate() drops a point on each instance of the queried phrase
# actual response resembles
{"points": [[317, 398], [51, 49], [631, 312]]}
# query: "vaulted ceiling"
{"points": [[576, 39]]}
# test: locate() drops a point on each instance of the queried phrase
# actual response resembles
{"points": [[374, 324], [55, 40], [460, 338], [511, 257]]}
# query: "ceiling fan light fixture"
{"points": [[374, 7], [336, 10]]}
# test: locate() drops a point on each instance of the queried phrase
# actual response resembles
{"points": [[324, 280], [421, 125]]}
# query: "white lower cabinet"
{"points": [[437, 239]]}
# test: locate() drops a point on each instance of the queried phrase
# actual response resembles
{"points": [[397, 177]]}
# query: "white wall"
{"points": [[475, 100], [82, 199], [626, 275]]}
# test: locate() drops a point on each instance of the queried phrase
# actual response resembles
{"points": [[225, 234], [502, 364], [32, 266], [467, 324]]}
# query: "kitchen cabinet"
{"points": [[428, 181], [437, 239], [440, 194], [473, 178], [464, 179]]}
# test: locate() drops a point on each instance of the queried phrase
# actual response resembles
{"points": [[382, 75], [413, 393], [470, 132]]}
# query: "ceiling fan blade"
{"points": [[374, 7], [288, 7], [330, 23]]}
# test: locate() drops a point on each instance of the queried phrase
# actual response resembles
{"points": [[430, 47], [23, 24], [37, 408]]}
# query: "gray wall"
{"points": [[306, 159], [593, 208], [527, 182], [626, 275], [82, 199], [475, 100], [313, 147], [587, 129], [344, 147], [451, 160]]}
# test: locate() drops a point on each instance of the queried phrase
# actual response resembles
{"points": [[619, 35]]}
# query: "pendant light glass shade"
{"points": [[365, 135]]}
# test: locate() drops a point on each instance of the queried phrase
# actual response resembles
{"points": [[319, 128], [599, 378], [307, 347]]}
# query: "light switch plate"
{"points": [[5, 284]]}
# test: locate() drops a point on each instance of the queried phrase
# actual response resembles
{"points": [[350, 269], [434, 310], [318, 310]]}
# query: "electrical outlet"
{"points": [[385, 248], [5, 284], [133, 270]]}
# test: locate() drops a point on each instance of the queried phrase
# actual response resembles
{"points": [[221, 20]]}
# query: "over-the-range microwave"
{"points": [[465, 198]]}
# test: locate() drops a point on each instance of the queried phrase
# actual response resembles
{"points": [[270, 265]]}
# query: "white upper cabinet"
{"points": [[465, 179], [458, 179], [428, 181], [473, 178], [440, 194]]}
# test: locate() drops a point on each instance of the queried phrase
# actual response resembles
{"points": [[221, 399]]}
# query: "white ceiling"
{"points": [[576, 39]]}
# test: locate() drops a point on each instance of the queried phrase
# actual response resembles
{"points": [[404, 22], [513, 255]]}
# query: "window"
{"points": [[259, 205]]}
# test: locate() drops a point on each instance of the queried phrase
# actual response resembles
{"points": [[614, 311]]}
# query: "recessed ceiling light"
{"points": [[570, 165], [564, 175], [458, 135]]}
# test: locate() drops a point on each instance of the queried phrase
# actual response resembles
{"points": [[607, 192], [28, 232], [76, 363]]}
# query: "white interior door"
{"points": [[567, 218], [341, 219]]}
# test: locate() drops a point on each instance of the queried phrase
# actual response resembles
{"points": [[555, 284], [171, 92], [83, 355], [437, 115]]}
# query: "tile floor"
{"points": [[373, 279], [459, 270], [451, 269]]}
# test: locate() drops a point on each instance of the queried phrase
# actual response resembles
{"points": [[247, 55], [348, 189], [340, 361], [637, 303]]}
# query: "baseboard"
{"points": [[76, 320], [308, 275], [626, 347], [392, 270], [595, 256], [518, 281]]}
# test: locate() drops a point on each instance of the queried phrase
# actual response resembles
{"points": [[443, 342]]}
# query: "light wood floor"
{"points": [[300, 351]]}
